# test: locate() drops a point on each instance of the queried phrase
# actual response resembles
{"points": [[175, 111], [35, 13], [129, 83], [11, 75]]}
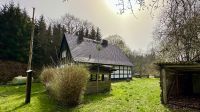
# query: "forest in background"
{"points": [[15, 35]]}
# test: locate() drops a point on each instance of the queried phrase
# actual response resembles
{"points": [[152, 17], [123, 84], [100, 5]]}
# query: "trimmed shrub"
{"points": [[11, 69], [67, 85]]}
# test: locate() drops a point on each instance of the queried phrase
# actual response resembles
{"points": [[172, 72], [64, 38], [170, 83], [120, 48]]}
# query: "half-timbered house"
{"points": [[83, 50]]}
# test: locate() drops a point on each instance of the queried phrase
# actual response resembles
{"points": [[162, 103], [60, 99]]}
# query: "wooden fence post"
{"points": [[164, 86]]}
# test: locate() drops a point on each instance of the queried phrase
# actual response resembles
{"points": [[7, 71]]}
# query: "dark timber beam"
{"points": [[164, 85], [123, 71]]}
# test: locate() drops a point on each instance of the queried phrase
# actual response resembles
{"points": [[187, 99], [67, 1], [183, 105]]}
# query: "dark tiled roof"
{"points": [[87, 51]]}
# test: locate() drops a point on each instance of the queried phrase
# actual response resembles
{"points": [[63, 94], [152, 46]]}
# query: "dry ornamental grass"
{"points": [[67, 85]]}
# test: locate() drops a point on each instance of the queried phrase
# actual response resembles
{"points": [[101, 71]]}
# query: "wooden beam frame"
{"points": [[164, 85], [128, 71], [123, 71], [119, 72]]}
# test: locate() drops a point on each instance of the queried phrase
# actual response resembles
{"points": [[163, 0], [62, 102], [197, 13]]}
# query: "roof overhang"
{"points": [[101, 68], [180, 66], [89, 62]]}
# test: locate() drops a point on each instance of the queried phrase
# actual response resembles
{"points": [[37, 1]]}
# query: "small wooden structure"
{"points": [[180, 80], [100, 79]]}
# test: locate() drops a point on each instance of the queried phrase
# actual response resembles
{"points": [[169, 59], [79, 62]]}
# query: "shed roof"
{"points": [[86, 51], [187, 66], [177, 63]]}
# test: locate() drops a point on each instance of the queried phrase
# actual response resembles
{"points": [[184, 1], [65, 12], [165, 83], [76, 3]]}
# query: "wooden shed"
{"points": [[180, 83]]}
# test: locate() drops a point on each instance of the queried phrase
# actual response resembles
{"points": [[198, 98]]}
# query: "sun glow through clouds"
{"points": [[120, 7], [112, 4]]}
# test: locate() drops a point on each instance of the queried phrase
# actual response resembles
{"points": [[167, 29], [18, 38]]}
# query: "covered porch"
{"points": [[100, 79]]}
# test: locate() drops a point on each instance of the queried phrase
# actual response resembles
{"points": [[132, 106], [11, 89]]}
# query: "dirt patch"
{"points": [[192, 102]]}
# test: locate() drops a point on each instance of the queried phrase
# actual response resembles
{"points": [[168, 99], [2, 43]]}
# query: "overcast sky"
{"points": [[137, 32]]}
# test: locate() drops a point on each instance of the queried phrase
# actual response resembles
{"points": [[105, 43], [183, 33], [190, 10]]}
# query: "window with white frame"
{"points": [[121, 72], [64, 54]]}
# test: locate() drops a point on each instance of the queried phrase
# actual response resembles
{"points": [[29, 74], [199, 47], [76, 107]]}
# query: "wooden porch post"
{"points": [[164, 86]]}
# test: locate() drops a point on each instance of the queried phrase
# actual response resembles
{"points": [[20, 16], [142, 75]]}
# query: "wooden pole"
{"points": [[98, 48], [98, 74], [98, 79], [164, 84], [29, 71], [31, 42]]}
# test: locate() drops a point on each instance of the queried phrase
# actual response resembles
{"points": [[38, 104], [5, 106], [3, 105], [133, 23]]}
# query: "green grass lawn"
{"points": [[138, 95]]}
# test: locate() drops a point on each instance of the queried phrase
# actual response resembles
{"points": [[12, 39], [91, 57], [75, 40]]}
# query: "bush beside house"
{"points": [[66, 85]]}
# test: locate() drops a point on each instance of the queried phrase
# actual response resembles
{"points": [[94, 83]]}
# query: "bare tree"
{"points": [[119, 42], [178, 31], [73, 24]]}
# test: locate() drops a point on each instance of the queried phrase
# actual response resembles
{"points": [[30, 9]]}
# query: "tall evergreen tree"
{"points": [[49, 34], [98, 35], [92, 34], [58, 32], [57, 36], [15, 29], [80, 35], [86, 33], [40, 44]]}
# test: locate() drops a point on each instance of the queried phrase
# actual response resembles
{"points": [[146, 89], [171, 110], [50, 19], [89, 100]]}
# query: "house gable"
{"points": [[65, 53]]}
